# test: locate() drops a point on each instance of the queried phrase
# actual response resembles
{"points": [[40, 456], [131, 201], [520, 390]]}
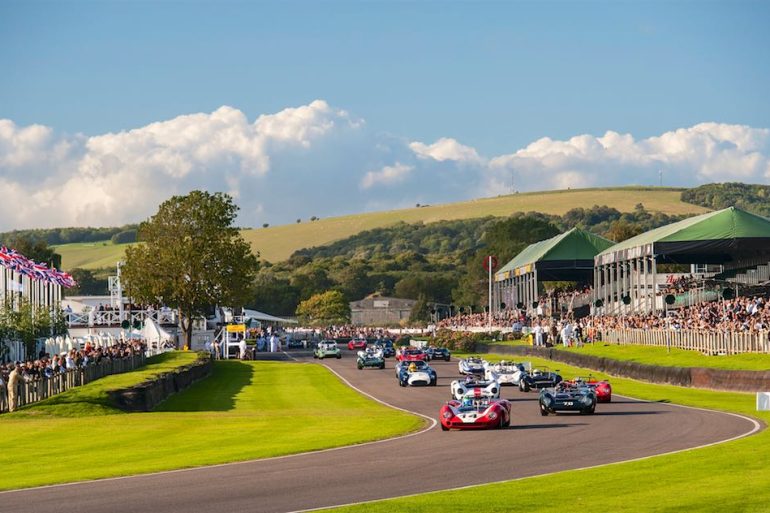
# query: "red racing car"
{"points": [[357, 343], [475, 411], [602, 388], [410, 354]]}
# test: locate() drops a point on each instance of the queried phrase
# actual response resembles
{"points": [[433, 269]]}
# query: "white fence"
{"points": [[115, 318], [710, 342]]}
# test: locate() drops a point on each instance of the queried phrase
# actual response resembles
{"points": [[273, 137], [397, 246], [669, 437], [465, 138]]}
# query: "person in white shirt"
{"points": [[538, 330], [242, 348]]}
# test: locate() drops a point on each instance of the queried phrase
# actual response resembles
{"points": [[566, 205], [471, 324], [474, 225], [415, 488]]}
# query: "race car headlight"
{"points": [[447, 414], [494, 390], [492, 415]]}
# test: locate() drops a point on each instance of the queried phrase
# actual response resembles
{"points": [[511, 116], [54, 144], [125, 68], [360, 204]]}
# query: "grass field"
{"points": [[277, 243], [728, 477], [659, 356], [217, 420]]}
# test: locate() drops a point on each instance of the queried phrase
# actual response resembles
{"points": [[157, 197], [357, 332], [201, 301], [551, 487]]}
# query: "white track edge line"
{"points": [[756, 427], [244, 462]]}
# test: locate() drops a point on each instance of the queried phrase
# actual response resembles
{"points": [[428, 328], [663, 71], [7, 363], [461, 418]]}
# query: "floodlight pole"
{"points": [[489, 312]]}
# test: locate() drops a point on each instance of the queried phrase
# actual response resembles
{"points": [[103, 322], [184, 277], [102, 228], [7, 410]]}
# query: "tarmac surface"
{"points": [[431, 460]]}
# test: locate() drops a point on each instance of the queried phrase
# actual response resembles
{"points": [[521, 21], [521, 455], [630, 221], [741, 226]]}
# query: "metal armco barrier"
{"points": [[43, 388], [710, 342]]}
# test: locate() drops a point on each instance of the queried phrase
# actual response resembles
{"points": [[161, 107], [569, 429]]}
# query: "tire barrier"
{"points": [[148, 395], [696, 377]]}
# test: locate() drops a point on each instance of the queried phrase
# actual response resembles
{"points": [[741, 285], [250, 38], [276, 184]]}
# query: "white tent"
{"points": [[261, 316], [154, 334]]}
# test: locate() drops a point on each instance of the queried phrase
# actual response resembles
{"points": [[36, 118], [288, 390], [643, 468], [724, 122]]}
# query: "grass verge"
{"points": [[652, 355], [728, 477], [245, 410]]}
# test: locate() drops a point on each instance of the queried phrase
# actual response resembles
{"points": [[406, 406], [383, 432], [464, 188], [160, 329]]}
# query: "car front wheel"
{"points": [[543, 411]]}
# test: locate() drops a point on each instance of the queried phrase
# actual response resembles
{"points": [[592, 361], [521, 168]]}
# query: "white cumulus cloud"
{"points": [[445, 149], [388, 175], [316, 159]]}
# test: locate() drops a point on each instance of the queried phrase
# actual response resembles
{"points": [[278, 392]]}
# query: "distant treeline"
{"points": [[56, 236], [439, 261], [752, 197]]}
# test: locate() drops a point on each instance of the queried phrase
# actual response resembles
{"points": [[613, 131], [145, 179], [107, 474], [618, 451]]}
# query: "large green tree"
{"points": [[328, 308], [192, 257]]}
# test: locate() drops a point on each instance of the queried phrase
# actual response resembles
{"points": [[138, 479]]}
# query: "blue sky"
{"points": [[494, 77]]}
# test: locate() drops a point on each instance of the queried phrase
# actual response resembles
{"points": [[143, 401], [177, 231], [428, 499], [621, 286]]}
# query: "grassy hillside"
{"points": [[91, 255], [277, 243]]}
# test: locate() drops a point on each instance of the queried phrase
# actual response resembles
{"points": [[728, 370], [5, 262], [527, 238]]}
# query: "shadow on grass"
{"points": [[216, 393]]}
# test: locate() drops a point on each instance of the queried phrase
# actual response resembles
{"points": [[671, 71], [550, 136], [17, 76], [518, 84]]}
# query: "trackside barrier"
{"points": [[42, 388], [709, 342]]}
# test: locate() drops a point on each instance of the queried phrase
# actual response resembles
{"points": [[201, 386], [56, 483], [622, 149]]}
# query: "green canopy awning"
{"points": [[712, 238], [568, 256]]}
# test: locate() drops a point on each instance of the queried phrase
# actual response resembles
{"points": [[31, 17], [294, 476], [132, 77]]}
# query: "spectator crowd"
{"points": [[47, 366]]}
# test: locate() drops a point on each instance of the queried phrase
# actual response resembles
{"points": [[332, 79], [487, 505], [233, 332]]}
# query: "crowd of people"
{"points": [[47, 366], [740, 315]]}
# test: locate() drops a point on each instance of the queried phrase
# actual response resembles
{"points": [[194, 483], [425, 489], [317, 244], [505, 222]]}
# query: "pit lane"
{"points": [[432, 460]]}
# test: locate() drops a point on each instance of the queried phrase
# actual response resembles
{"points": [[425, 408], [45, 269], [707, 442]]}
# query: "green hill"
{"points": [[279, 242]]}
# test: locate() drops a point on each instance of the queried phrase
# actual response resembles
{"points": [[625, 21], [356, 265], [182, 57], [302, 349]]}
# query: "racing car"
{"points": [[386, 346], [603, 389], [294, 343], [472, 365], [438, 353], [538, 379], [567, 397], [475, 411], [370, 358], [462, 387], [357, 343], [415, 373], [506, 372], [327, 349], [410, 354]]}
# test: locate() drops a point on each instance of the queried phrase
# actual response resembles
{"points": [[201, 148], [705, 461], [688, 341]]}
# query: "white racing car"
{"points": [[417, 373], [473, 365], [470, 386], [506, 372]]}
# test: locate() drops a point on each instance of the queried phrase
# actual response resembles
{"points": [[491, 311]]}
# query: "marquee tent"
{"points": [[566, 257], [625, 274]]}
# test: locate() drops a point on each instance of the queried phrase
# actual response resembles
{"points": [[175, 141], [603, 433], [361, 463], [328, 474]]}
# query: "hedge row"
{"points": [[146, 396]]}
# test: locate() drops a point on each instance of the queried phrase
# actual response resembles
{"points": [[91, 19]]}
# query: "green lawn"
{"points": [[245, 410], [277, 243], [659, 356], [728, 477]]}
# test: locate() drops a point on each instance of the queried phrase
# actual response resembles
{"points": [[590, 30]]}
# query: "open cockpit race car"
{"points": [[415, 373], [357, 343], [438, 353], [473, 365], [602, 388], [538, 379], [410, 354], [462, 387], [506, 372], [327, 349], [370, 357], [475, 411], [386, 346], [567, 397]]}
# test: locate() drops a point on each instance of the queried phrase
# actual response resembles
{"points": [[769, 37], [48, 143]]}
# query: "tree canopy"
{"points": [[192, 257], [330, 307]]}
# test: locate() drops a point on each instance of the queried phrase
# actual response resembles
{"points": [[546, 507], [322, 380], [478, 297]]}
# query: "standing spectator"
{"points": [[13, 387]]}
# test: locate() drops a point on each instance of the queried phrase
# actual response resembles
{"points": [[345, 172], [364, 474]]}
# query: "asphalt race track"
{"points": [[432, 460]]}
